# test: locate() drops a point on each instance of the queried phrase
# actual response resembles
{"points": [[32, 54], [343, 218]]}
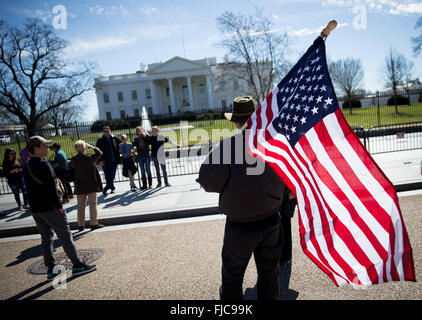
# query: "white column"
{"points": [[191, 103], [153, 98], [172, 101], [209, 91]]}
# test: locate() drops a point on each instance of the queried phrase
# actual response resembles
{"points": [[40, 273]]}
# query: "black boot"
{"points": [[149, 182], [144, 184]]}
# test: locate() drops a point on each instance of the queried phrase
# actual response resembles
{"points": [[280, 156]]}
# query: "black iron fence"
{"points": [[375, 119]]}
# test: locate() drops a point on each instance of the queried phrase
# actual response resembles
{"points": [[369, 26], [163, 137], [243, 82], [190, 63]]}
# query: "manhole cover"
{"points": [[86, 255]]}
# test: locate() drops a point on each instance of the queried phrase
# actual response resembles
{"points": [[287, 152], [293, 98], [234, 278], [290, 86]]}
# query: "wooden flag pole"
{"points": [[327, 30]]}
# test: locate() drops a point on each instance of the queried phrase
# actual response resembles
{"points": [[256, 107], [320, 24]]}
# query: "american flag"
{"points": [[350, 222]]}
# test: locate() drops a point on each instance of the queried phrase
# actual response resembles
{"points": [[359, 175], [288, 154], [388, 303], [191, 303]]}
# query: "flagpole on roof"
{"points": [[327, 30]]}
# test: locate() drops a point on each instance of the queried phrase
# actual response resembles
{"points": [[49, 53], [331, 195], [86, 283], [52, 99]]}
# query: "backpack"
{"points": [[59, 184]]}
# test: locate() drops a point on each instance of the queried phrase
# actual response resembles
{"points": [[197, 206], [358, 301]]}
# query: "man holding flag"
{"points": [[350, 222], [250, 195]]}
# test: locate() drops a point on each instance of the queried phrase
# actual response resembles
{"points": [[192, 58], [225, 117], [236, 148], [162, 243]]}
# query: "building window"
{"points": [[108, 116], [106, 98], [148, 93], [120, 96], [201, 88], [235, 85], [134, 95], [136, 112], [167, 92], [185, 90], [122, 114]]}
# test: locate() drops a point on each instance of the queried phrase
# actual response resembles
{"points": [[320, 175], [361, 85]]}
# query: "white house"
{"points": [[169, 87]]}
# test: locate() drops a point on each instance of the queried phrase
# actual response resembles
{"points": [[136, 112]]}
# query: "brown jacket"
{"points": [[249, 189], [87, 177]]}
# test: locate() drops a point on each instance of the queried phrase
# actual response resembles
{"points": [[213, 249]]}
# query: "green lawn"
{"points": [[215, 130]]}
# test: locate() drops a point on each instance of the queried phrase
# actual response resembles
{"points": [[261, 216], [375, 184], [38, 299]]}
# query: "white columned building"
{"points": [[173, 86]]}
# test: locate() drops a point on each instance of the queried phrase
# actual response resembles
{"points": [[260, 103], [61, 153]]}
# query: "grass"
{"points": [[215, 130]]}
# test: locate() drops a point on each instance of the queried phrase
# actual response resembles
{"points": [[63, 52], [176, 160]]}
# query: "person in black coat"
{"points": [[109, 145], [250, 196], [12, 169]]}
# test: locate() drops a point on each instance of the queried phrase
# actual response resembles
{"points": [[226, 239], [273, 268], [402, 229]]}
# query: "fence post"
{"points": [[378, 109], [77, 130]]}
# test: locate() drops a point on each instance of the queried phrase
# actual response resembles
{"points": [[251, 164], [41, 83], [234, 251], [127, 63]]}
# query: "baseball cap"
{"points": [[36, 141]]}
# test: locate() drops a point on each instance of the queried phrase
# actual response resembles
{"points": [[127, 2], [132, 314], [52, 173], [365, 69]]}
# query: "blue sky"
{"points": [[120, 34]]}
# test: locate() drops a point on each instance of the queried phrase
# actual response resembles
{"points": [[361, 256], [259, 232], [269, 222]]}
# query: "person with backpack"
{"points": [[47, 209]]}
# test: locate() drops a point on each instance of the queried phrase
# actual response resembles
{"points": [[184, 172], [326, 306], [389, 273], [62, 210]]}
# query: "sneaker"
{"points": [[53, 275], [20, 209], [97, 226], [133, 188], [159, 185], [26, 207], [80, 229], [71, 196], [82, 268], [104, 191], [112, 191], [65, 200], [168, 184]]}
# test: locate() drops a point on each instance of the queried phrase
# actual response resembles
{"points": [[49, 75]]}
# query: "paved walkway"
{"points": [[180, 259]]}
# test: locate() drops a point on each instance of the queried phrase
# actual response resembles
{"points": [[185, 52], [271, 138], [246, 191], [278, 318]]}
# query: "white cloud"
{"points": [[147, 10], [308, 32], [80, 47], [387, 6], [113, 10], [407, 8]]}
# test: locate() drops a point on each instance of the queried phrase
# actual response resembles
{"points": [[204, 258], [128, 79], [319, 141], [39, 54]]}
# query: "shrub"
{"points": [[400, 100], [355, 104]]}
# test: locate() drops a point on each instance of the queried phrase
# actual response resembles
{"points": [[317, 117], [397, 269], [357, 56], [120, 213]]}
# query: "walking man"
{"points": [[250, 196], [47, 209], [109, 145]]}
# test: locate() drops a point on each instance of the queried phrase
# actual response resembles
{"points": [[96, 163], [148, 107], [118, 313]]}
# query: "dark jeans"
{"points": [[145, 165], [110, 174], [157, 165], [61, 174], [262, 238], [50, 221], [286, 231], [17, 186]]}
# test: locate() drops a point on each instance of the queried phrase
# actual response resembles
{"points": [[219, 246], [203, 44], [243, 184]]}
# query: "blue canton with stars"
{"points": [[305, 95]]}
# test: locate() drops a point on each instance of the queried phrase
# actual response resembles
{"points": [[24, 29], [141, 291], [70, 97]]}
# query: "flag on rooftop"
{"points": [[350, 221]]}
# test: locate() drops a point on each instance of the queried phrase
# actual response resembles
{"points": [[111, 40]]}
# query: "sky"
{"points": [[119, 35]]}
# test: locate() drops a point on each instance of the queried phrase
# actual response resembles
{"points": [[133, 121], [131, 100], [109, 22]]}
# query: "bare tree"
{"points": [[407, 76], [393, 71], [347, 75], [34, 79], [259, 51], [417, 41]]}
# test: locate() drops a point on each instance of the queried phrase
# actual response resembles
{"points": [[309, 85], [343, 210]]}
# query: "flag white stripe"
{"points": [[374, 188]]}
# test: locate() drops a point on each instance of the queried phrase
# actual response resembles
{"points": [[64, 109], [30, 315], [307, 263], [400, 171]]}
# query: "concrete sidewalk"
{"points": [[185, 198]]}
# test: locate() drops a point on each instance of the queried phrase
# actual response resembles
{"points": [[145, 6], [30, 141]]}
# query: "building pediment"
{"points": [[176, 65]]}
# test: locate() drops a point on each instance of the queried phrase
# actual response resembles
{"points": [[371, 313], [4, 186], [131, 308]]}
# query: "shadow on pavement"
{"points": [[36, 251], [36, 295], [283, 281]]}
